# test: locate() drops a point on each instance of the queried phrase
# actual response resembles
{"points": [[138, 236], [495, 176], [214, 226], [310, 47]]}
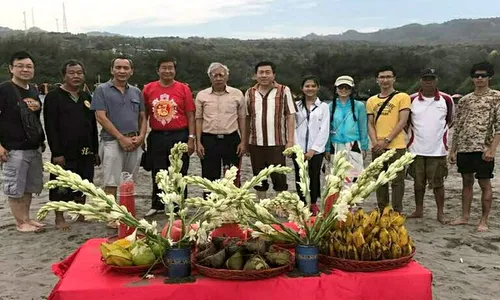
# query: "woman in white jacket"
{"points": [[312, 122]]}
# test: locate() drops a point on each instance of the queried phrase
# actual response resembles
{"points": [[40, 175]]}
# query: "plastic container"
{"points": [[126, 198]]}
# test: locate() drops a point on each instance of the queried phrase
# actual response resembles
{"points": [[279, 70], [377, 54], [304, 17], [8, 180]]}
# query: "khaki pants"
{"points": [[397, 185]]}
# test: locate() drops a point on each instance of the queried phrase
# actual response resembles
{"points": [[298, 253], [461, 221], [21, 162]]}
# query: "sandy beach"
{"points": [[465, 264]]}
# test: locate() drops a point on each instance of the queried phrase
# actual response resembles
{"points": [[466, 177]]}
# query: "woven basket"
{"points": [[350, 265], [226, 274]]}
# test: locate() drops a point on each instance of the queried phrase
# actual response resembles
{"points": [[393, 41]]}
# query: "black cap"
{"points": [[429, 72]]}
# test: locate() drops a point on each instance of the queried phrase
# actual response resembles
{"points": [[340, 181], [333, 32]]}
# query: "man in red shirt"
{"points": [[170, 108]]}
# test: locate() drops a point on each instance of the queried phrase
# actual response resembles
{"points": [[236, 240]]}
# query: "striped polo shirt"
{"points": [[268, 115], [429, 124]]}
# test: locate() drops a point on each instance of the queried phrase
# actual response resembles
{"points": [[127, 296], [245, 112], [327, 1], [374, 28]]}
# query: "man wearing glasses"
{"points": [[387, 117], [475, 141], [20, 146]]}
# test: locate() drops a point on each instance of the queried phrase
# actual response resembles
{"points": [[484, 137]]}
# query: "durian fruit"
{"points": [[256, 262]]}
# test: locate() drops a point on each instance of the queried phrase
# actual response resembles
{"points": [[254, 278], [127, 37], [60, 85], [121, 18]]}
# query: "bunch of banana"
{"points": [[124, 252], [372, 236]]}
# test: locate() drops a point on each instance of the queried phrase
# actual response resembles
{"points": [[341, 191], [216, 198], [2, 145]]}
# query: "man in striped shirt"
{"points": [[270, 124]]}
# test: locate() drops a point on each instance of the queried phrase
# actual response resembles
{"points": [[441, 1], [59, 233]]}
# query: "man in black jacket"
{"points": [[20, 152], [71, 130]]}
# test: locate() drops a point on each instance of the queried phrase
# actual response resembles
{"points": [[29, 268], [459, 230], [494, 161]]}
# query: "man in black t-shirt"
{"points": [[21, 157], [71, 130]]}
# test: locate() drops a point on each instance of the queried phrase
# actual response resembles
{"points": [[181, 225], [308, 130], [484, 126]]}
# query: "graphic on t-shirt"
{"points": [[32, 104], [387, 109], [164, 109]]}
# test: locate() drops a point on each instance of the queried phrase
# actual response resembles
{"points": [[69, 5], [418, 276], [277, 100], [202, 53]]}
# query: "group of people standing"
{"points": [[222, 124]]}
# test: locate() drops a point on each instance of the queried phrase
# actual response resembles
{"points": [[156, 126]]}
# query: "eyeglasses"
{"points": [[28, 67], [480, 75], [386, 77]]}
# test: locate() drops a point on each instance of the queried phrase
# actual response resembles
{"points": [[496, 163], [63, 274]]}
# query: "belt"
{"points": [[167, 132], [131, 134], [221, 136]]}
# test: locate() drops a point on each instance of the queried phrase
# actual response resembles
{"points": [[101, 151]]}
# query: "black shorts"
{"points": [[473, 163], [83, 166]]}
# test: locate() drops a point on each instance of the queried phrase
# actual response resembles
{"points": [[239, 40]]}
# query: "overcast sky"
{"points": [[245, 19]]}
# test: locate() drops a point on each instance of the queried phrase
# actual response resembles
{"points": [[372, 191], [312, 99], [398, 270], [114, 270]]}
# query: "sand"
{"points": [[465, 264]]}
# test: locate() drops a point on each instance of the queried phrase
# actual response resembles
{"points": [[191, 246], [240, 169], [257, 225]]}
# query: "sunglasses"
{"points": [[480, 75], [344, 87]]}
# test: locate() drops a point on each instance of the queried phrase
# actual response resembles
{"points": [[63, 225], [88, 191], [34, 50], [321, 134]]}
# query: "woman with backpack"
{"points": [[311, 134], [348, 126]]}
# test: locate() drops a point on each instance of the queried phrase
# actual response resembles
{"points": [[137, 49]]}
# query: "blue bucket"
{"points": [[178, 262], [306, 259]]}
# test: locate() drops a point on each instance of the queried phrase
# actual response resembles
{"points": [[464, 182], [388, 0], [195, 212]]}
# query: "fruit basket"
{"points": [[351, 265], [242, 260], [369, 242], [130, 255]]}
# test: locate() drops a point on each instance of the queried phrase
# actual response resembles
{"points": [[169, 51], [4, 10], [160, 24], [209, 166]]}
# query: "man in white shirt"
{"points": [[430, 119]]}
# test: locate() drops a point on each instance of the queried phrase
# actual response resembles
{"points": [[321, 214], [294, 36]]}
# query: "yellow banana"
{"points": [[358, 238], [359, 217], [348, 236], [342, 253], [396, 251], [403, 236], [387, 210], [386, 252], [372, 234], [384, 237], [376, 249], [398, 220], [352, 252], [336, 245], [366, 252], [331, 249], [394, 235], [374, 217], [338, 235], [349, 220], [384, 222], [406, 250]]}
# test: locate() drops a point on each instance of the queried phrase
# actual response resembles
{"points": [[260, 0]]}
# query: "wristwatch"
{"points": [[387, 140], [192, 136]]}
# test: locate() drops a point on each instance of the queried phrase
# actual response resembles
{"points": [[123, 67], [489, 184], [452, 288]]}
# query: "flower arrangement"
{"points": [[259, 216], [103, 207]]}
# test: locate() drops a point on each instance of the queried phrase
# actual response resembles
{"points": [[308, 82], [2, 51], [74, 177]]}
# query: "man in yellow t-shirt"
{"points": [[386, 131]]}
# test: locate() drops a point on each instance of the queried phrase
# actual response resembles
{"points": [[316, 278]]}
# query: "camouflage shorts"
{"points": [[427, 169]]}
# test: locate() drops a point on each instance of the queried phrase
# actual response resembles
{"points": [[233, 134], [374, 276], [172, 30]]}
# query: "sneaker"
{"points": [[153, 212], [314, 209]]}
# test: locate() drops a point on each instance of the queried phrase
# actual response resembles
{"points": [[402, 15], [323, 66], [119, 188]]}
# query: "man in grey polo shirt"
{"points": [[119, 109]]}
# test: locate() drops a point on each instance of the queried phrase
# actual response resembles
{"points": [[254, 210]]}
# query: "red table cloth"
{"points": [[84, 277]]}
